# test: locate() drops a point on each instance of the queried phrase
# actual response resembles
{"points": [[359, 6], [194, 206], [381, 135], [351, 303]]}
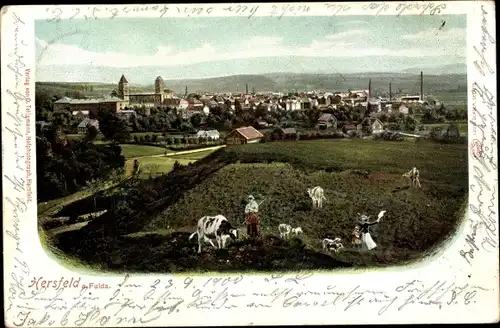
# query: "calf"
{"points": [[297, 230], [284, 230], [214, 227], [334, 244], [317, 195]]}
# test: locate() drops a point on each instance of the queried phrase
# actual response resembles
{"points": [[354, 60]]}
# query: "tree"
{"points": [[237, 107], [91, 133], [196, 120], [94, 187], [112, 127]]}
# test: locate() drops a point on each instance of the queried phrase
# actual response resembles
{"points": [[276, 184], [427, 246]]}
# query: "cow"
{"points": [[297, 230], [214, 227], [329, 244], [413, 176], [284, 230], [317, 195]]}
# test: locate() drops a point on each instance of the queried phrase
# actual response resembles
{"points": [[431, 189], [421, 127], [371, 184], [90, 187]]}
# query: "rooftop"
{"points": [[249, 132]]}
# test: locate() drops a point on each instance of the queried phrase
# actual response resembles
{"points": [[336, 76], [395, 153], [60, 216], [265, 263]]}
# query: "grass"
{"points": [[163, 164], [132, 151], [382, 156], [462, 127], [357, 176], [416, 220]]}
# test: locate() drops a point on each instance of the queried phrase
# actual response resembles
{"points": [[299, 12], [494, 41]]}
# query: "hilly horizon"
{"points": [[401, 82], [145, 75]]}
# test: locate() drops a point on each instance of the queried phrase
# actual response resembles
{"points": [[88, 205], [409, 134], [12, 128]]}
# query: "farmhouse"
{"points": [[82, 127], [244, 135], [374, 123], [327, 121]]}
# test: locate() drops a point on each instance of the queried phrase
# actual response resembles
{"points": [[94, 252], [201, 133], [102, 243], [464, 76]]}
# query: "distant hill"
{"points": [[439, 70], [401, 82]]}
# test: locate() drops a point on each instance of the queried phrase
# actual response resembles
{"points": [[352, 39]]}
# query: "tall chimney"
{"points": [[421, 86], [390, 91], [369, 88], [186, 91], [369, 95], [246, 88]]}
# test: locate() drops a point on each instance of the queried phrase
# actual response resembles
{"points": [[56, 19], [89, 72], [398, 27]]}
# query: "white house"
{"points": [[292, 104], [183, 104], [206, 110], [211, 134], [404, 109]]}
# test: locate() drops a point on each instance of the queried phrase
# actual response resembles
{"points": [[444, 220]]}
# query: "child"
{"points": [[356, 240]]}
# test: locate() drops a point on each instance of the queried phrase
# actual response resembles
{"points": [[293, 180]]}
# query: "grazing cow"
{"points": [[214, 227], [297, 230], [317, 195], [329, 244], [413, 176], [284, 230]]}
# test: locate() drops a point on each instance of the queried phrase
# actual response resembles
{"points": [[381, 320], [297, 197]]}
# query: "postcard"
{"points": [[275, 163]]}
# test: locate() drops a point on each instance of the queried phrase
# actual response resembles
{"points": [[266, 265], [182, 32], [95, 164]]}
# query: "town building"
{"points": [[327, 121], [83, 126], [149, 99], [244, 135]]}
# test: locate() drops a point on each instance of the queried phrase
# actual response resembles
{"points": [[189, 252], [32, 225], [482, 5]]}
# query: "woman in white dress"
{"points": [[366, 239]]}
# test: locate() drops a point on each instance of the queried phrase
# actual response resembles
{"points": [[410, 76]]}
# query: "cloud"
{"points": [[347, 34], [435, 34], [351, 43], [351, 22]]}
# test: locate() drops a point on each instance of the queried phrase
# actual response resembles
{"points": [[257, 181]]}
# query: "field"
{"points": [[161, 165], [358, 177], [132, 151]]}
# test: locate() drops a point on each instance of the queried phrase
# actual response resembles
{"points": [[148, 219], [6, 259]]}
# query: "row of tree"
{"points": [[64, 166]]}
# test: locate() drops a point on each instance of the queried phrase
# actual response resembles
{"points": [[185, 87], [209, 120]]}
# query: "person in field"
{"points": [[366, 238], [252, 218], [356, 240]]}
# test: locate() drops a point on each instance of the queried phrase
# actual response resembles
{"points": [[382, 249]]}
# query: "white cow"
{"points": [[214, 227], [317, 195], [329, 244], [297, 230], [284, 230], [413, 175]]}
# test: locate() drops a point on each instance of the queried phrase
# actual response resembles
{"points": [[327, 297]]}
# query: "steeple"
{"points": [[159, 85], [123, 90]]}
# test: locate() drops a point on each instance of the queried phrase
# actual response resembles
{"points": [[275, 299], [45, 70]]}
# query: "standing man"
{"points": [[252, 219]]}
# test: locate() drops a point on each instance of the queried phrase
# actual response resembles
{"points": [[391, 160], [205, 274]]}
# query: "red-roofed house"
{"points": [[244, 135], [326, 121]]}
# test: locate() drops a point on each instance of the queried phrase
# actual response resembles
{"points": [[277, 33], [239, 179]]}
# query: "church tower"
{"points": [[159, 85], [123, 90]]}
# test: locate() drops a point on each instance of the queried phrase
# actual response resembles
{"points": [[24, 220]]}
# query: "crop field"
{"points": [[358, 176]]}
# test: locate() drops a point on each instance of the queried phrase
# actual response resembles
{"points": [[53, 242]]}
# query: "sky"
{"points": [[175, 46]]}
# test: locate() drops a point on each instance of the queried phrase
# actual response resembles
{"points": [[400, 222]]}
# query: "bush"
{"points": [[388, 136]]}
